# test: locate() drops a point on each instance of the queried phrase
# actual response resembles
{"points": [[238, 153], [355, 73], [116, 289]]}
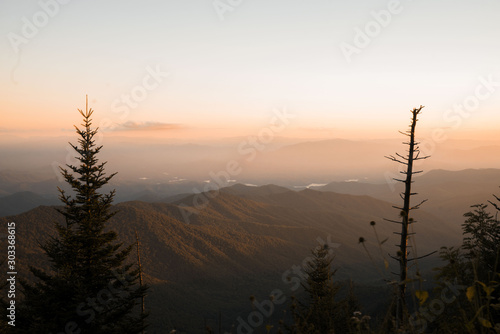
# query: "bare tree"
{"points": [[413, 154], [139, 264]]}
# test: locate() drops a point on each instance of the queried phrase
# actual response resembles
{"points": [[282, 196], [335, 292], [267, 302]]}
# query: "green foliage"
{"points": [[473, 266], [482, 240], [90, 288]]}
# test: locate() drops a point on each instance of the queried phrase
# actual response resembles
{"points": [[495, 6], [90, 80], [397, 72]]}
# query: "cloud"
{"points": [[147, 126]]}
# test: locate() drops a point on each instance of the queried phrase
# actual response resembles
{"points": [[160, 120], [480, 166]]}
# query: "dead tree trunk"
{"points": [[140, 274], [408, 160]]}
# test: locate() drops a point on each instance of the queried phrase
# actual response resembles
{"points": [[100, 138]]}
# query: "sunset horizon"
{"points": [[239, 167]]}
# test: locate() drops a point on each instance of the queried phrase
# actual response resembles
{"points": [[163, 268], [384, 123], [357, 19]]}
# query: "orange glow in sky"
{"points": [[180, 70]]}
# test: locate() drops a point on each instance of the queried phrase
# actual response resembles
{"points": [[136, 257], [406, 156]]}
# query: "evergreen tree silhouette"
{"points": [[473, 265], [91, 288], [320, 312]]}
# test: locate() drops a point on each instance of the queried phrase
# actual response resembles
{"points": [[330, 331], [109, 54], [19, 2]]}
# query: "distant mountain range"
{"points": [[23, 201], [449, 193], [147, 165], [208, 252]]}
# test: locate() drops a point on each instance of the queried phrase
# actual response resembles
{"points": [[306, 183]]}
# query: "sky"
{"points": [[225, 68]]}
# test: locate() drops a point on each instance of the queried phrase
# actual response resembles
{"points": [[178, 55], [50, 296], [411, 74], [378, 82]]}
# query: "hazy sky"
{"points": [[348, 69]]}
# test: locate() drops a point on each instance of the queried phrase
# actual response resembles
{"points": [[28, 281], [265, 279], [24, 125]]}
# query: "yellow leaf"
{"points": [[488, 289], [422, 296], [469, 326], [386, 264], [483, 285], [471, 292], [484, 322]]}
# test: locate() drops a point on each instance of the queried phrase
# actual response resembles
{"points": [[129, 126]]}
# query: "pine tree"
{"points": [[320, 312], [474, 265], [482, 241], [90, 288]]}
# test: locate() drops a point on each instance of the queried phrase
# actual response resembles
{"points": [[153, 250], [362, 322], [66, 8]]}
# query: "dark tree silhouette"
{"points": [[320, 312], [482, 241], [139, 266], [408, 161], [474, 266], [90, 288]]}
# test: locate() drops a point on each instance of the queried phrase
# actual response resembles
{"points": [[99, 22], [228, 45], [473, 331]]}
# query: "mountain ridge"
{"points": [[237, 246]]}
